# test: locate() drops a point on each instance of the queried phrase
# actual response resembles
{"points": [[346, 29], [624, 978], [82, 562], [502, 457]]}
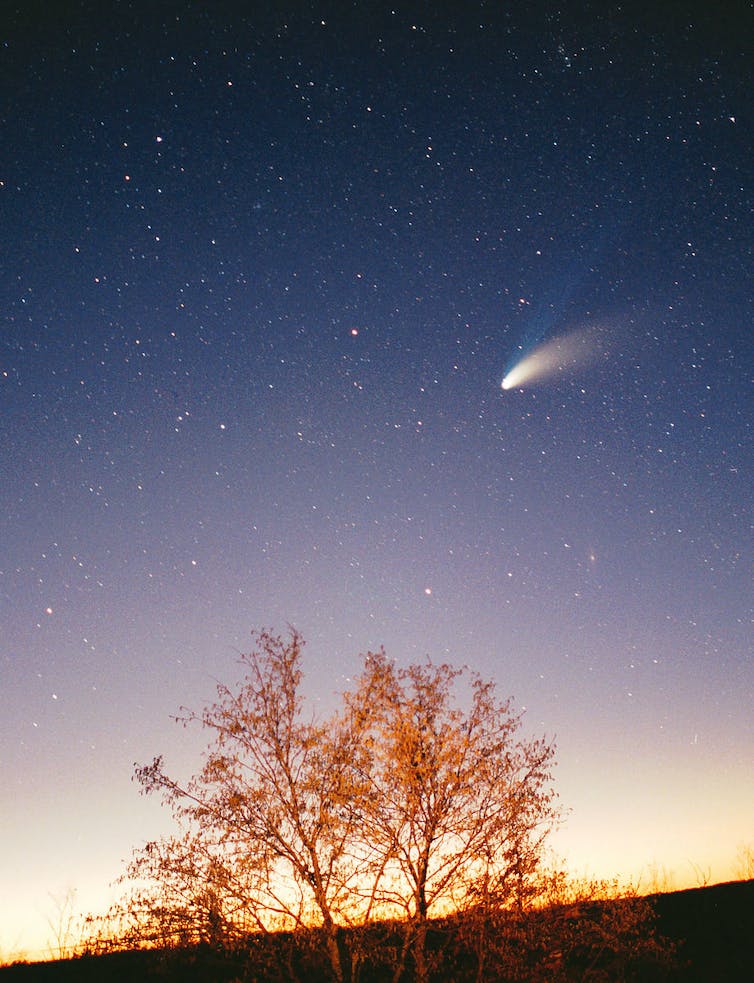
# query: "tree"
{"points": [[745, 865], [457, 804], [416, 799], [269, 809], [64, 924]]}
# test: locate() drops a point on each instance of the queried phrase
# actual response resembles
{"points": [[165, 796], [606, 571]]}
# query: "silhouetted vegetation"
{"points": [[710, 928], [401, 839], [417, 799]]}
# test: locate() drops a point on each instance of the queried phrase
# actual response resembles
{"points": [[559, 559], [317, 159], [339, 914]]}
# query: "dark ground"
{"points": [[712, 926], [715, 929]]}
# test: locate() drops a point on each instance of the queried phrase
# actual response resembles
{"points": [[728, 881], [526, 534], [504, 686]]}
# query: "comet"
{"points": [[558, 357]]}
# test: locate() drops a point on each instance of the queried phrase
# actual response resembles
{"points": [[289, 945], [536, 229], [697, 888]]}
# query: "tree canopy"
{"points": [[417, 800]]}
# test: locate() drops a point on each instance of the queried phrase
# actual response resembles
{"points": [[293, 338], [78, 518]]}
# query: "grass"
{"points": [[712, 928]]}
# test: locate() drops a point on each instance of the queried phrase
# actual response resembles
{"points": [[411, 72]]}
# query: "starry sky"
{"points": [[262, 275]]}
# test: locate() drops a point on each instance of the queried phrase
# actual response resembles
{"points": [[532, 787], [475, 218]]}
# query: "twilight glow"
{"points": [[263, 273]]}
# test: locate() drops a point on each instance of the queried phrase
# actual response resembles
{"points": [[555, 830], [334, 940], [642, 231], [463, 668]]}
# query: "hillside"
{"points": [[712, 926]]}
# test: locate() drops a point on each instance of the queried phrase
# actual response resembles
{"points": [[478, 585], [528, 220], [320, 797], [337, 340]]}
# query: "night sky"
{"points": [[262, 276]]}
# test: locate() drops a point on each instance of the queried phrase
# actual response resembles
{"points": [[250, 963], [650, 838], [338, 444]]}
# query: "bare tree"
{"points": [[418, 799], [270, 809], [64, 924], [745, 861], [455, 798], [703, 874]]}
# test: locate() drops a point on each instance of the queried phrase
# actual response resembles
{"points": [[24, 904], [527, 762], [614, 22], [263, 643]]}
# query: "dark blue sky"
{"points": [[262, 276]]}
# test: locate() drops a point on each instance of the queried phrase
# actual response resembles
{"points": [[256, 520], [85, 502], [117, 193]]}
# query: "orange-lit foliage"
{"points": [[417, 804]]}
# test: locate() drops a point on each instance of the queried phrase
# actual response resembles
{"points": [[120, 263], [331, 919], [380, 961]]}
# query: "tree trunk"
{"points": [[420, 955], [334, 953], [333, 950]]}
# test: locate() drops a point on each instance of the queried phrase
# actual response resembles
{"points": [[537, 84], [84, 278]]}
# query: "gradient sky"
{"points": [[262, 277]]}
